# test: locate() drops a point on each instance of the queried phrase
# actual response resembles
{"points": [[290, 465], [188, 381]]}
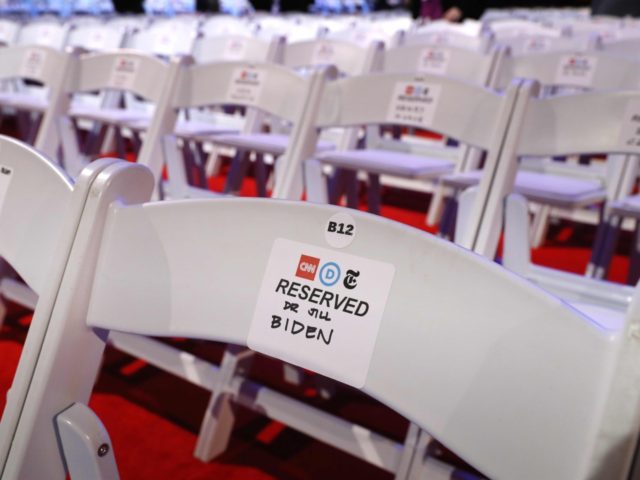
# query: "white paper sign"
{"points": [[6, 174], [33, 63], [630, 130], [414, 102], [124, 72], [96, 40], [434, 61], [576, 70], [321, 309], [235, 49], [324, 53], [246, 85]]}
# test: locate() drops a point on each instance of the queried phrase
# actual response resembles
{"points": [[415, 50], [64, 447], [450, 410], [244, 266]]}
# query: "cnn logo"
{"points": [[307, 267]]}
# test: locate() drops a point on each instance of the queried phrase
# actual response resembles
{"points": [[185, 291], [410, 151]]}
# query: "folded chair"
{"points": [[536, 389]]}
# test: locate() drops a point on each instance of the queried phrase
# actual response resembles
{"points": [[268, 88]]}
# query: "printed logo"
{"points": [[329, 274], [351, 279], [307, 267]]}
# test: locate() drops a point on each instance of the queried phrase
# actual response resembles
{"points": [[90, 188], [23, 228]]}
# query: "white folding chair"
{"points": [[594, 122], [268, 88], [562, 383], [471, 114], [348, 58], [550, 179], [44, 65], [143, 75]]}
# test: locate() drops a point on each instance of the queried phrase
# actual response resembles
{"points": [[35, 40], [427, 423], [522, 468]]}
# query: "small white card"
{"points": [[124, 72], [630, 130], [33, 63], [576, 70], [323, 54], [246, 85], [321, 309], [414, 102], [536, 45], [235, 49], [434, 61]]}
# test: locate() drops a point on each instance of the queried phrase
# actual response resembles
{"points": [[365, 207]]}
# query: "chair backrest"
{"points": [[478, 43], [395, 310], [236, 47], [46, 34], [97, 38], [533, 44], [468, 65], [165, 39], [218, 25], [8, 31], [593, 70], [348, 58]]}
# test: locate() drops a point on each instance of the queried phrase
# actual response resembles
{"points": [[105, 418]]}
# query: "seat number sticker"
{"points": [[33, 63], [576, 70], [413, 102], [434, 61], [124, 72], [235, 49], [321, 309], [323, 54], [246, 85]]}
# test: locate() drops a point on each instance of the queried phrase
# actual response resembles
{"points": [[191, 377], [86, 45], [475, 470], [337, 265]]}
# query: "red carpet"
{"points": [[153, 417]]}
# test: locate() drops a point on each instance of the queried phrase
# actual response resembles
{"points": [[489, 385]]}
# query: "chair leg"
{"points": [[448, 221], [219, 417], [604, 247], [539, 226], [237, 172], [261, 175], [373, 196], [351, 178], [436, 207], [634, 260]]}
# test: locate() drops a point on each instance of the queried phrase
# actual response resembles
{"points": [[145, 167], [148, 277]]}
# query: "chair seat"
{"points": [[113, 116], [273, 144], [24, 101], [628, 207], [607, 318], [555, 190], [389, 163]]}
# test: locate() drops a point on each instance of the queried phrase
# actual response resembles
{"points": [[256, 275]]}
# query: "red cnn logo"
{"points": [[307, 267]]}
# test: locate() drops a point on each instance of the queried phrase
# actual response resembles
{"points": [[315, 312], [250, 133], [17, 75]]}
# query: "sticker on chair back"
{"points": [[536, 45], [630, 126], [434, 60], [576, 70], [414, 102], [321, 309], [6, 174], [124, 72], [33, 63], [246, 85], [235, 49], [323, 53]]}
